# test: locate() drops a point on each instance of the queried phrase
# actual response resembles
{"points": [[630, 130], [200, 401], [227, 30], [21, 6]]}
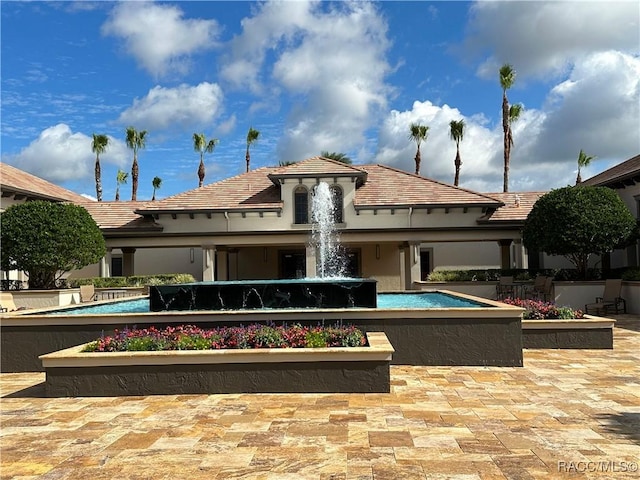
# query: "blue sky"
{"points": [[313, 76]]}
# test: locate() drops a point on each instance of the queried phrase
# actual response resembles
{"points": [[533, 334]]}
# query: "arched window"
{"points": [[338, 203], [301, 205]]}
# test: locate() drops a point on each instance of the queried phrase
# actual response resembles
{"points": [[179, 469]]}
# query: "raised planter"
{"points": [[73, 373], [590, 332]]}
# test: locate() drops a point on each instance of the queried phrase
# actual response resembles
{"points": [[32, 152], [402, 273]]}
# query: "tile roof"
{"points": [[248, 191], [517, 206], [18, 182], [120, 216], [625, 173], [316, 166], [387, 186]]}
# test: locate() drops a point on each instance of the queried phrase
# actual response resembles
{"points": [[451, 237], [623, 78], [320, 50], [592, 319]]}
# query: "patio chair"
{"points": [[87, 293], [610, 298], [504, 288], [537, 289]]}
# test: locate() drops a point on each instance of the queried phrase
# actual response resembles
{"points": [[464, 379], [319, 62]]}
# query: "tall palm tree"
{"points": [[121, 179], [583, 161], [252, 137], [456, 133], [156, 183], [507, 79], [338, 157], [135, 141], [99, 146], [201, 145], [418, 133]]}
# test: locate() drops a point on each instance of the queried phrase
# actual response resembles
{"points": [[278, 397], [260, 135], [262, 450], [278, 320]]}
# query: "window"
{"points": [[338, 203], [301, 205]]}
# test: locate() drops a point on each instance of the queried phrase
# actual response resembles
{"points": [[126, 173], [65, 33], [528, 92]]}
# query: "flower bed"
{"points": [[76, 372], [539, 310], [546, 325], [190, 337]]}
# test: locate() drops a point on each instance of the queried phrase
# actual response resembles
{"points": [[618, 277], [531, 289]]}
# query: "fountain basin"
{"points": [[73, 373], [260, 294]]}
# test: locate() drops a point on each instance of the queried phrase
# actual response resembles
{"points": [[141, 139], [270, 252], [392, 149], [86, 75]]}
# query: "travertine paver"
{"points": [[565, 414]]}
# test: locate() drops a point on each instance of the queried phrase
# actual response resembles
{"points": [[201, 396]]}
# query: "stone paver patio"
{"points": [[565, 414]]}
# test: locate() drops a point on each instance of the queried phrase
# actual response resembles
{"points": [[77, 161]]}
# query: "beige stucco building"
{"points": [[395, 226]]}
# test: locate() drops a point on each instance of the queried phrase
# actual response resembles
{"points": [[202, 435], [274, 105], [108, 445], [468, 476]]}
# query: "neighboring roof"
{"points": [[317, 167], [620, 176], [387, 187], [516, 207], [121, 216], [22, 185], [248, 191]]}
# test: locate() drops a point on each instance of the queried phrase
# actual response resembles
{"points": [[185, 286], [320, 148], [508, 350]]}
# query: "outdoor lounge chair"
{"points": [[610, 298], [87, 293]]}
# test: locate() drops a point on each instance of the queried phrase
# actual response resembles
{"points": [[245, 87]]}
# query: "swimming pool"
{"points": [[385, 301]]}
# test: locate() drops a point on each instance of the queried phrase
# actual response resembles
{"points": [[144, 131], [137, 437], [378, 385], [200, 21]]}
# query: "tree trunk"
{"points": [[458, 164], [118, 193], [507, 142], [98, 174], [134, 179], [418, 160], [247, 157], [201, 173]]}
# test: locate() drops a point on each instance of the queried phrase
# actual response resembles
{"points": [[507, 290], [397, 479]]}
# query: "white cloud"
{"points": [[175, 108], [330, 59], [59, 155], [543, 38], [158, 36], [478, 171]]}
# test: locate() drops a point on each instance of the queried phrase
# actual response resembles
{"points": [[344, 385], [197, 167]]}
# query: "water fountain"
{"points": [[329, 289]]}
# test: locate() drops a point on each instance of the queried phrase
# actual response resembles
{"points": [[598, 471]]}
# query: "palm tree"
{"points": [[583, 161], [121, 179], [156, 183], [418, 133], [99, 146], [135, 141], [201, 145], [507, 79], [457, 134], [252, 137], [338, 157]]}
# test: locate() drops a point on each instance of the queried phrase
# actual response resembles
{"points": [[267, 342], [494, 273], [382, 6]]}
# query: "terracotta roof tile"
{"points": [[251, 190], [120, 215], [317, 166], [387, 186], [14, 180], [623, 173], [517, 206]]}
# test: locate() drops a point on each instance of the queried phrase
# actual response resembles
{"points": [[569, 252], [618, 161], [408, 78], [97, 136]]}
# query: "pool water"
{"points": [[385, 301]]}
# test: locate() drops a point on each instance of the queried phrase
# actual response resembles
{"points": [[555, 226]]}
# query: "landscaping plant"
{"points": [[539, 310], [190, 337]]}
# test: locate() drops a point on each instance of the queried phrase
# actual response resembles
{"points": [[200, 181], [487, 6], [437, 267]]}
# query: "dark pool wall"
{"points": [[247, 295], [417, 341]]}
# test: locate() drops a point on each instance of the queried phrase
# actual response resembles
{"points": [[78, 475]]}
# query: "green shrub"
{"points": [[133, 281], [632, 274]]}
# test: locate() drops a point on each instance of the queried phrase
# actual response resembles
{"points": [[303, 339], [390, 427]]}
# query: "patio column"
{"points": [[505, 254], [208, 263], [411, 264], [222, 265], [128, 261], [311, 262], [105, 264]]}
